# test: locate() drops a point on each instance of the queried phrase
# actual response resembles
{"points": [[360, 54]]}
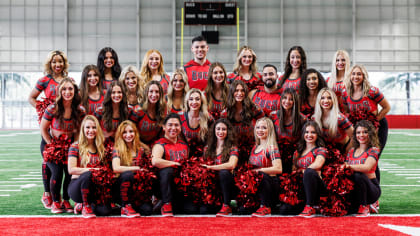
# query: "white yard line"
{"points": [[16, 134], [4, 195], [19, 160], [24, 178], [408, 185], [403, 133], [39, 175], [10, 190]]}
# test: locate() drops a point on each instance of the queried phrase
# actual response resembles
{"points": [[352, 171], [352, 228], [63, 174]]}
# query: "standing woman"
{"points": [[132, 85], [288, 123], [84, 156], [56, 69], [361, 97], [245, 68], [309, 158], [108, 66], [114, 110], [149, 115], [312, 81], [91, 89], [363, 160], [222, 149], [340, 65], [195, 121], [242, 114], [129, 153], [177, 90], [217, 89], [152, 69], [61, 118], [265, 156], [293, 69], [336, 128]]}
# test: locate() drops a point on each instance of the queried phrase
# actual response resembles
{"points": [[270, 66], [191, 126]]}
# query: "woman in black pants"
{"points": [[84, 156], [222, 149], [126, 159], [363, 160]]}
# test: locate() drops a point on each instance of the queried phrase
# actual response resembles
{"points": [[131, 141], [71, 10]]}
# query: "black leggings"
{"points": [[383, 137], [56, 180], [46, 172], [366, 191], [227, 185], [269, 188], [313, 186]]}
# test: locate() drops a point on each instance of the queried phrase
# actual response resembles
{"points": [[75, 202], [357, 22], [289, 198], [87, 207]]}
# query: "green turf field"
{"points": [[21, 185]]}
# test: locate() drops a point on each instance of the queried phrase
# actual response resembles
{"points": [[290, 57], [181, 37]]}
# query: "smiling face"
{"points": [[90, 129], [178, 83], [67, 91], [269, 76], [312, 81], [287, 101], [362, 135], [239, 93], [310, 135], [154, 61], [218, 75], [130, 81], [247, 58], [326, 101], [172, 128], [109, 61], [199, 49], [116, 94], [92, 78], [356, 76], [261, 130], [194, 102], [340, 62], [295, 59], [128, 134], [221, 131], [153, 94], [57, 64]]}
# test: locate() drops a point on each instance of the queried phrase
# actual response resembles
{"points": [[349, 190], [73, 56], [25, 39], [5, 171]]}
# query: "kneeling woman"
{"points": [[221, 148], [126, 159], [309, 158], [166, 154], [265, 156], [85, 156], [363, 160]]}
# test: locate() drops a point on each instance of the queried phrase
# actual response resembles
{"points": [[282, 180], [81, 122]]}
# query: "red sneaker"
{"points": [[225, 211], [66, 206], [166, 210], [363, 211], [56, 208], [308, 212], [78, 208], [129, 212], [46, 200], [263, 211], [374, 207], [87, 212]]}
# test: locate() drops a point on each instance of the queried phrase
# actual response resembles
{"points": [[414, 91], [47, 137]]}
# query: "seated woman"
{"points": [[363, 160], [84, 156], [221, 147]]}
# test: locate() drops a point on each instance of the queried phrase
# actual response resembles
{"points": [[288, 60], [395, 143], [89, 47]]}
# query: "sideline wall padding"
{"points": [[403, 121]]}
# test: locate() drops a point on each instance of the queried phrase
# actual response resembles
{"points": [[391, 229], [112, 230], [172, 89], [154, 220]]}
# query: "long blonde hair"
{"points": [[83, 142], [332, 120], [171, 92], [204, 114], [238, 65], [271, 143], [121, 146], [47, 65], [145, 72], [140, 82], [333, 77], [366, 84]]}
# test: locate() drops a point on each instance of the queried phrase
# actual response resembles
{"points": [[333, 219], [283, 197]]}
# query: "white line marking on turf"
{"points": [[20, 160], [35, 172], [399, 153], [403, 133], [16, 134], [4, 195], [17, 170], [39, 175], [403, 229], [413, 185], [28, 181], [412, 177], [384, 159], [407, 174], [21, 186], [25, 178], [10, 190]]}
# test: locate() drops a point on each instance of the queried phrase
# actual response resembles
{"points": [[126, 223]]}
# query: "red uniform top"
{"points": [[174, 110], [307, 110], [149, 128], [115, 121], [135, 161], [367, 103], [252, 83], [370, 152], [191, 133], [94, 160], [68, 125], [288, 134], [173, 151], [342, 125], [164, 81], [107, 83], [94, 104], [290, 83], [306, 160], [217, 107], [234, 151], [263, 159], [197, 74], [339, 89], [267, 101], [49, 85]]}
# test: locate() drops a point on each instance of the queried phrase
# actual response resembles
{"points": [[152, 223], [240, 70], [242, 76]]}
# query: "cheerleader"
{"points": [[177, 89], [166, 155], [242, 114], [266, 157], [195, 121], [340, 65], [61, 118], [108, 66], [91, 89], [293, 68], [363, 98], [363, 160], [288, 123], [309, 158], [114, 110], [222, 149], [129, 153], [217, 89], [85, 156], [245, 68], [152, 69], [56, 69], [336, 128], [132, 85], [149, 115], [312, 81]]}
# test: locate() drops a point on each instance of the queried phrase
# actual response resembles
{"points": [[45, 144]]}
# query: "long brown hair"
{"points": [[373, 135], [288, 69], [75, 104], [248, 106], [211, 87], [107, 106], [160, 105], [296, 117], [228, 143], [301, 145], [84, 86]]}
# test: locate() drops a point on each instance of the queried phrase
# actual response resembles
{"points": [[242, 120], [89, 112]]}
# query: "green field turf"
{"points": [[21, 185]]}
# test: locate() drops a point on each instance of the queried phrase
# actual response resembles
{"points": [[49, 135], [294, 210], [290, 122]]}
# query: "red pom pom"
{"points": [[102, 179], [248, 181], [291, 188], [41, 106], [57, 151], [143, 181], [360, 114], [286, 149], [109, 148]]}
